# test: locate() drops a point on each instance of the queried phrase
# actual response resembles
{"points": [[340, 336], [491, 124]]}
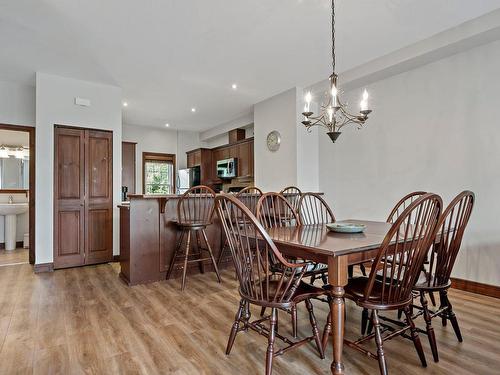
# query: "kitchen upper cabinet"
{"points": [[193, 158], [245, 158]]}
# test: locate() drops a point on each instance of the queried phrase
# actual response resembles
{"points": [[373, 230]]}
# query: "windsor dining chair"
{"points": [[258, 285]]}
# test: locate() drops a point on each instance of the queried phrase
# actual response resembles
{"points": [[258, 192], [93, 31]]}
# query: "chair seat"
{"points": [[303, 292], [424, 283], [355, 291], [191, 224], [311, 268]]}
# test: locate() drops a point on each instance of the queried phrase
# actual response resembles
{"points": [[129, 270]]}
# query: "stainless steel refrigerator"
{"points": [[187, 178]]}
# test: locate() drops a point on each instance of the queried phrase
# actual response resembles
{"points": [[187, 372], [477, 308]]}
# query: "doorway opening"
{"points": [[17, 194]]}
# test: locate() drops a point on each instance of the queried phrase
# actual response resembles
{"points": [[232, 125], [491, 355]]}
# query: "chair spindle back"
{"points": [[253, 259], [274, 211], [250, 196], [451, 228], [402, 253], [313, 209], [402, 204], [292, 194], [196, 206]]}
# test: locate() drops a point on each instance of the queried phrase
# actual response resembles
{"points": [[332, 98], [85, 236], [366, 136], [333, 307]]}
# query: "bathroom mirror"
{"points": [[14, 173]]}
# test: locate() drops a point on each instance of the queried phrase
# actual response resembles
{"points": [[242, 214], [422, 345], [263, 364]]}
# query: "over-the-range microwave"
{"points": [[227, 168]]}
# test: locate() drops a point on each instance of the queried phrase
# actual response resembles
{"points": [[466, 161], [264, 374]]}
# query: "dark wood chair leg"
{"points": [[363, 269], [442, 304], [175, 255], [364, 321], [326, 331], [400, 314], [235, 327], [294, 321], [209, 248], [350, 271], [201, 265], [184, 270], [222, 250], [432, 298], [428, 323], [382, 364], [324, 278], [369, 329], [415, 338], [315, 330], [270, 345], [453, 318], [262, 311]]}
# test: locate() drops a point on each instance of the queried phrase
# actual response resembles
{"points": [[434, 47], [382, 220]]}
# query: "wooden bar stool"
{"points": [[194, 213]]}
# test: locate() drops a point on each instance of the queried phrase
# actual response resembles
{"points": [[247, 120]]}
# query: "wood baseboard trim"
{"points": [[19, 244], [475, 287], [43, 267]]}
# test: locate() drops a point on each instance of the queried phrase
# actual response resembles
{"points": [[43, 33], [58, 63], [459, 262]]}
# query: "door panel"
{"points": [[69, 236], [99, 168], [69, 197], [99, 202], [70, 166]]}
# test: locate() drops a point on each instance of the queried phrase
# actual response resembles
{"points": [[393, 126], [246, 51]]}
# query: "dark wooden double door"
{"points": [[83, 197]]}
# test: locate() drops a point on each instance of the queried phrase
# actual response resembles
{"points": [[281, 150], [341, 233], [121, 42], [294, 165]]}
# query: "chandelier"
{"points": [[333, 114]]}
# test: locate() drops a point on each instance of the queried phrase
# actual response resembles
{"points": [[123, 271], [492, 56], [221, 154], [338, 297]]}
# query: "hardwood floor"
{"points": [[13, 256], [86, 320]]}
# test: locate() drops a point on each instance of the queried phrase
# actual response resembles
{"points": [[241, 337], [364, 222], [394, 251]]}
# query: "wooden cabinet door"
{"points": [[69, 197], [251, 158], [244, 159], [83, 197], [99, 197], [190, 159], [128, 166]]}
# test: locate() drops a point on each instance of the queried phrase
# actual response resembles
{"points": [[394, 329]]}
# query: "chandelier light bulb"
{"points": [[308, 99], [364, 101], [330, 113]]}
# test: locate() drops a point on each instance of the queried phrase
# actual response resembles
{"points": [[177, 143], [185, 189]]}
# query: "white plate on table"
{"points": [[346, 227]]}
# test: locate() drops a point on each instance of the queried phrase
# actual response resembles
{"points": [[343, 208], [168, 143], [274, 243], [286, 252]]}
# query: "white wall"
{"points": [[17, 107], [296, 161], [433, 128], [17, 104], [159, 140], [55, 105], [275, 170]]}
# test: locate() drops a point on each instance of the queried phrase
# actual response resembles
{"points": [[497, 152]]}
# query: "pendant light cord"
{"points": [[333, 35]]}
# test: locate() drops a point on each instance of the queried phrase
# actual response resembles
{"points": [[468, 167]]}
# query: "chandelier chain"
{"points": [[333, 35]]}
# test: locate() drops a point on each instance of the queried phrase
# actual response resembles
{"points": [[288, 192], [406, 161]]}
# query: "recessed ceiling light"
{"points": [[193, 109], [234, 86], [167, 125], [125, 104]]}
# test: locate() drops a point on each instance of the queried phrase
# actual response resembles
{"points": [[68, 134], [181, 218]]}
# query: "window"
{"points": [[158, 173]]}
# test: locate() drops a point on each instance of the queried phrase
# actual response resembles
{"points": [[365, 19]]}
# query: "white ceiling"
{"points": [[171, 55]]}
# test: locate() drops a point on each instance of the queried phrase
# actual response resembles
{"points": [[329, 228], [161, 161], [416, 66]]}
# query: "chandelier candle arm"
{"points": [[333, 115]]}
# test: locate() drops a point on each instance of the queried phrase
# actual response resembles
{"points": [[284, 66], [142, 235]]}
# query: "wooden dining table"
{"points": [[338, 251]]}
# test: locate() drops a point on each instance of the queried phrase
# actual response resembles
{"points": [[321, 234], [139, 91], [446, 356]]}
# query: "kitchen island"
{"points": [[148, 236]]}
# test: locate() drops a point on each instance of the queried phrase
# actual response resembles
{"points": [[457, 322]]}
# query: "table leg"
{"points": [[337, 278]]}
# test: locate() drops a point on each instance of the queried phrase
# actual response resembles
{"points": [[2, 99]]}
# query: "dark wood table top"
{"points": [[318, 239]]}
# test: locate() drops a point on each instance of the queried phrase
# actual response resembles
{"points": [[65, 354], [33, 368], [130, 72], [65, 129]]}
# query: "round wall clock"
{"points": [[273, 140]]}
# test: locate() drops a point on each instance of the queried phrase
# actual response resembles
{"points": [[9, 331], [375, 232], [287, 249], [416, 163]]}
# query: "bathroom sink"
{"points": [[10, 210], [13, 208]]}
